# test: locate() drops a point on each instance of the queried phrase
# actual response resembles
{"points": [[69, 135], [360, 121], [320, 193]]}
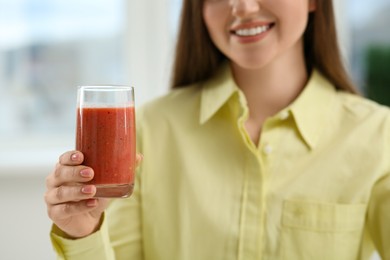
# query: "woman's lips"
{"points": [[250, 30]]}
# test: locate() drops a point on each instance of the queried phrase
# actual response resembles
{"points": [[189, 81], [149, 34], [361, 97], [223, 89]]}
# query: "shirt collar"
{"points": [[309, 110], [313, 107], [216, 92]]}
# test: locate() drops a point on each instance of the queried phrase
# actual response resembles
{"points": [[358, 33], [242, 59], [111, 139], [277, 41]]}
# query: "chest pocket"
{"points": [[320, 231]]}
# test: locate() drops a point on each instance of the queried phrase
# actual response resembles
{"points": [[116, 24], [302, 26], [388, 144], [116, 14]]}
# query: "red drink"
{"points": [[106, 137]]}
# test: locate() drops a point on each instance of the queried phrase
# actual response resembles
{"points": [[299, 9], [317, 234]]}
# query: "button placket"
{"points": [[267, 149]]}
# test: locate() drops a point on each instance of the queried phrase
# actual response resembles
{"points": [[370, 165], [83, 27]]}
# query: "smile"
{"points": [[245, 32]]}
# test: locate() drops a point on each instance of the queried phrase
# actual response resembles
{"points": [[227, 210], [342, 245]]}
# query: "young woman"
{"points": [[263, 150]]}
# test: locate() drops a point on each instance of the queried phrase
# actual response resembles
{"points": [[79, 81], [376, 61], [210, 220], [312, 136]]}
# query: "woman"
{"points": [[261, 151]]}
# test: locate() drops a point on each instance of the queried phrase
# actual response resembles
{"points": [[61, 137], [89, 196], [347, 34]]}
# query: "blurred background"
{"points": [[49, 47]]}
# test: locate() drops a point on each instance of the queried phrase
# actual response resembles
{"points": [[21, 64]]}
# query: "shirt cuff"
{"points": [[95, 246]]}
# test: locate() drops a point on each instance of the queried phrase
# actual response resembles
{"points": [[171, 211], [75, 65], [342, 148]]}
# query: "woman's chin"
{"points": [[250, 64]]}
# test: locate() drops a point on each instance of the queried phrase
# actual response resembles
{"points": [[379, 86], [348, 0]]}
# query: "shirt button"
{"points": [[299, 212], [267, 149], [284, 115]]}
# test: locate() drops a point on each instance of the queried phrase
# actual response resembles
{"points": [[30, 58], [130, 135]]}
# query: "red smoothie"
{"points": [[106, 137]]}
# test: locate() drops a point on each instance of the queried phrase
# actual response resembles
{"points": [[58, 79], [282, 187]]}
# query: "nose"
{"points": [[242, 8]]}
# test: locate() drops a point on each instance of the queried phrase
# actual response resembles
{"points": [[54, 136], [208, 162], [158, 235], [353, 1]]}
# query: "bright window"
{"points": [[47, 48]]}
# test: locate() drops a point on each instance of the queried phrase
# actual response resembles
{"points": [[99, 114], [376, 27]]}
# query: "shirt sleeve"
{"points": [[379, 216], [379, 207], [95, 246]]}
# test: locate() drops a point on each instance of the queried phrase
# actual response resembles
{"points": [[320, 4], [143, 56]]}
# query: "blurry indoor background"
{"points": [[49, 47]]}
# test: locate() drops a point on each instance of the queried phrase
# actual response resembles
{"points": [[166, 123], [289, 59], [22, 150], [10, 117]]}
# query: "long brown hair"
{"points": [[197, 58]]}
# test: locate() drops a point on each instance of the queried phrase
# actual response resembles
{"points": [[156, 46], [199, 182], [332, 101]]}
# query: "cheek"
{"points": [[214, 20], [208, 18], [295, 22], [214, 23], [291, 15]]}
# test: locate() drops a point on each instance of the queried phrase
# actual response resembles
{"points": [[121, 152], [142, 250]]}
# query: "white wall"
{"points": [[343, 27], [149, 57], [24, 225]]}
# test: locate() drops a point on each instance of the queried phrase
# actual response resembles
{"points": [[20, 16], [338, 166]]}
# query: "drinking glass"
{"points": [[105, 134]]}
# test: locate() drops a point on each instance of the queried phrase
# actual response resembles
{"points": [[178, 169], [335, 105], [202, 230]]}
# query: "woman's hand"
{"points": [[70, 201]]}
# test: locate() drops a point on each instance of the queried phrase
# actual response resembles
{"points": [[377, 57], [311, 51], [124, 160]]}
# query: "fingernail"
{"points": [[87, 189], [74, 157], [86, 173], [91, 203]]}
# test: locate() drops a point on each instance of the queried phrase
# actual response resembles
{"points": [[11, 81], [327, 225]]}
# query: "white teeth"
{"points": [[252, 31]]}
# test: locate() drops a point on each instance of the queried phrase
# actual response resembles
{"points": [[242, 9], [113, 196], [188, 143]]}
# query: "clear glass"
{"points": [[105, 134]]}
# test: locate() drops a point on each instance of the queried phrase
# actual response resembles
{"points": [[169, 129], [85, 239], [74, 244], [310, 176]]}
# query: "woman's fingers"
{"points": [[72, 193], [64, 211], [71, 158], [69, 170], [68, 174]]}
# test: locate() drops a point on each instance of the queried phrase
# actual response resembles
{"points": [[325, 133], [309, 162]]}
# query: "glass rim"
{"points": [[105, 87]]}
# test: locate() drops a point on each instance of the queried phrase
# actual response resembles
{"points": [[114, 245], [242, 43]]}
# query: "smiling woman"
{"points": [[47, 48], [259, 151]]}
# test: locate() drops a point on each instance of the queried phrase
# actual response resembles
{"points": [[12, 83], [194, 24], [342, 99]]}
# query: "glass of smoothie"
{"points": [[105, 134]]}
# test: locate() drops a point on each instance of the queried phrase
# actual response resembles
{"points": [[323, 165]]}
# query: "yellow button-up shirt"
{"points": [[317, 186]]}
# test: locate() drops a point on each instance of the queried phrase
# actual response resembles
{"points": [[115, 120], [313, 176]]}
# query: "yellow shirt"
{"points": [[317, 186]]}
